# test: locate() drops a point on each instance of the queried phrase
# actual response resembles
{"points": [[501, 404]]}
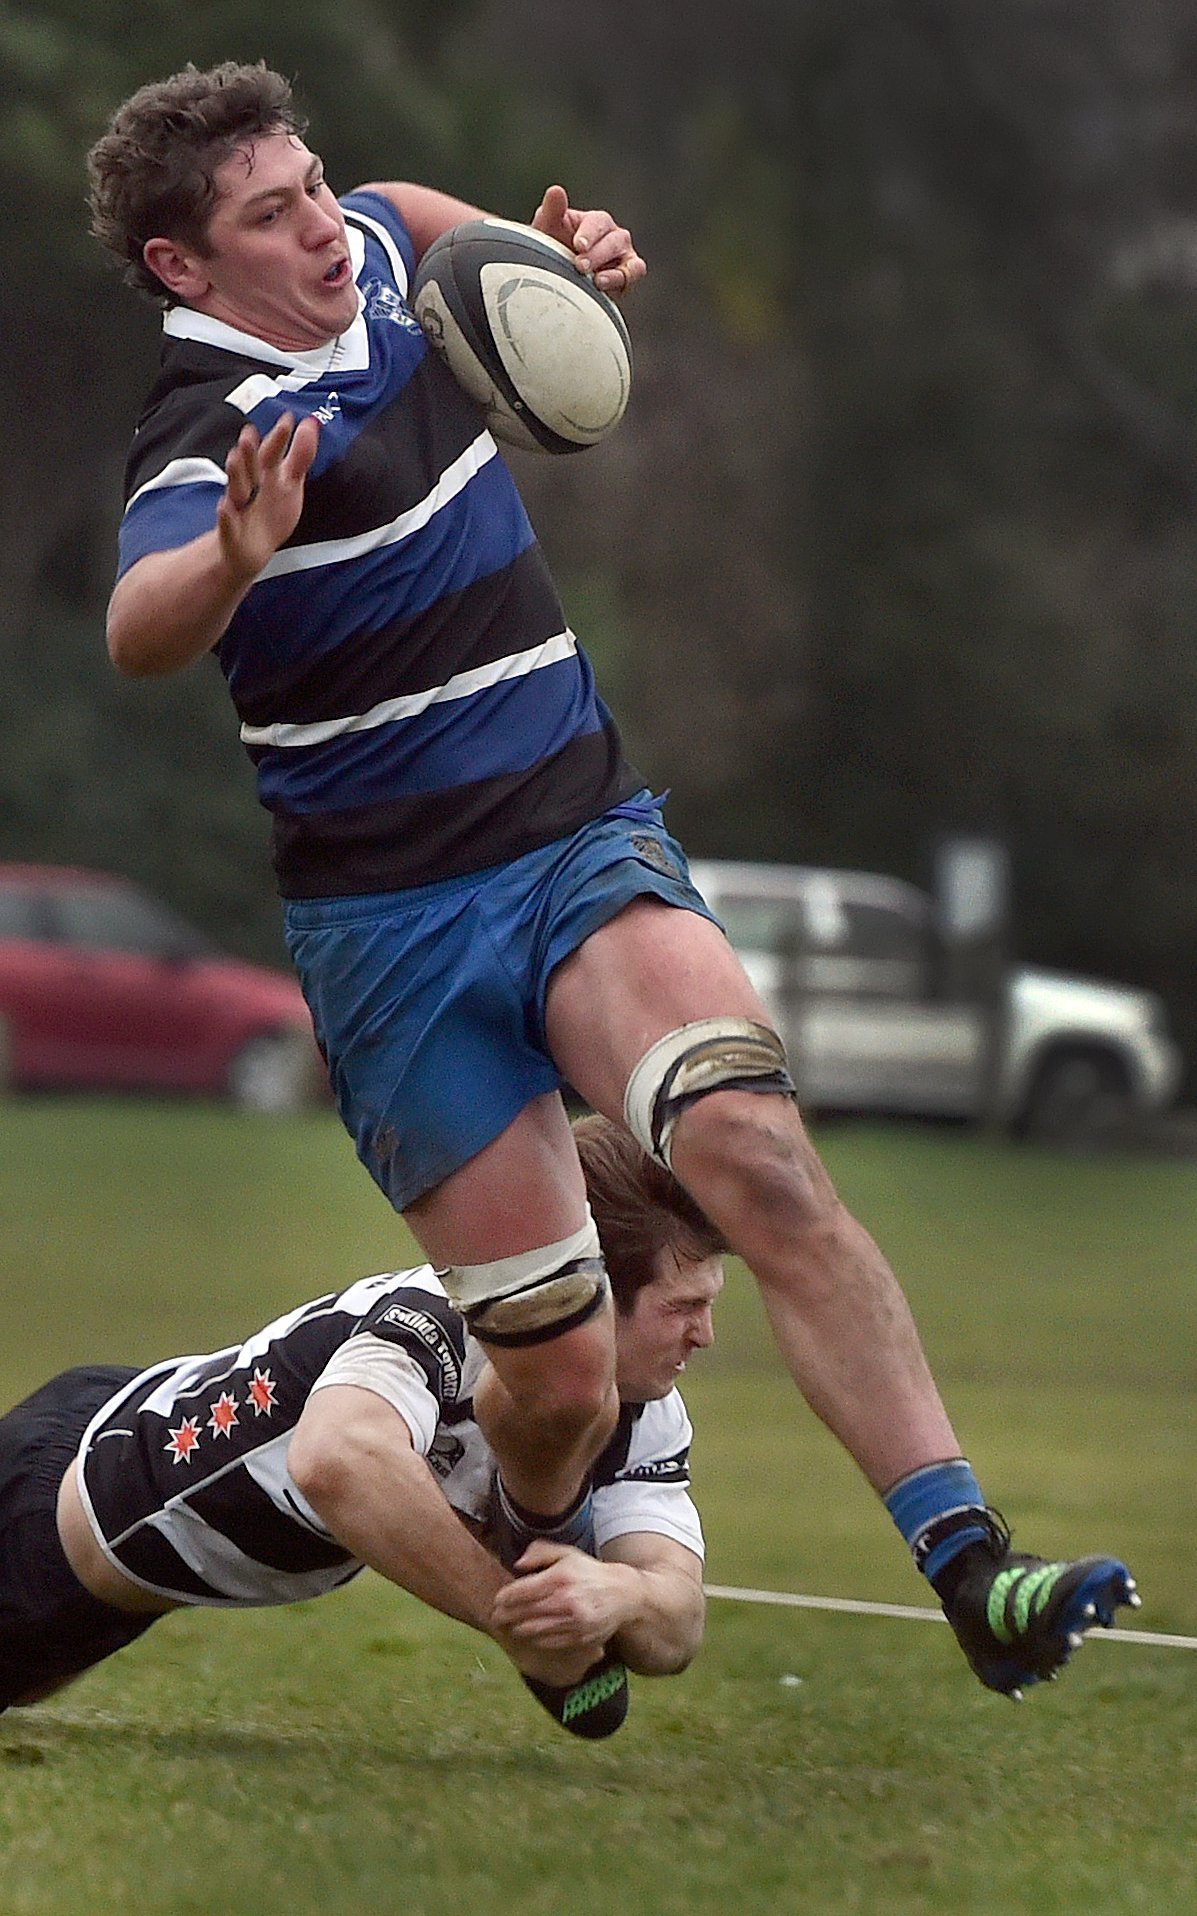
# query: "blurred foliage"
{"points": [[898, 536]]}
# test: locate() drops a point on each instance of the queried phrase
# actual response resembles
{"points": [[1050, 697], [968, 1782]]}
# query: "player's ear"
{"points": [[180, 270]]}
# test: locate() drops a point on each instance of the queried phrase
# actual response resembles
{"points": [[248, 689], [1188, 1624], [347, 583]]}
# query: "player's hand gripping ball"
{"points": [[544, 353]]}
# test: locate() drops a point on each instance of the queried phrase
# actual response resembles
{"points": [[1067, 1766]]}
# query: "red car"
{"points": [[103, 988]]}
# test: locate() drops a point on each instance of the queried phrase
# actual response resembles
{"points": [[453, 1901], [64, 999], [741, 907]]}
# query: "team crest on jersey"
{"points": [[446, 1453], [261, 1393], [222, 1415], [383, 302], [184, 1440]]}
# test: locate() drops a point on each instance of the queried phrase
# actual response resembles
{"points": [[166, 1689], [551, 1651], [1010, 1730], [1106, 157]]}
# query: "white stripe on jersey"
{"points": [[356, 1300], [628, 1509], [183, 322], [183, 1374], [183, 472], [455, 478], [181, 1379], [242, 1581], [563, 645], [632, 1503], [354, 218], [259, 386], [267, 1465]]}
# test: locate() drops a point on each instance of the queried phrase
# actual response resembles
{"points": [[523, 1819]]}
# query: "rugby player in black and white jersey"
{"points": [[342, 1435]]}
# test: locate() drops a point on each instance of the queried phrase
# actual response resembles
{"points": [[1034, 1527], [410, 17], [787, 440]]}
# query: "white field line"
{"points": [[856, 1607]]}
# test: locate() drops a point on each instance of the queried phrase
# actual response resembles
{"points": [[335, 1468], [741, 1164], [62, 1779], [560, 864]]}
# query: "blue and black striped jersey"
{"points": [[409, 690]]}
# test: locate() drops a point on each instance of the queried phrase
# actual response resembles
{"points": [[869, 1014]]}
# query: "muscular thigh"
{"points": [[644, 973], [522, 1193], [522, 1190]]}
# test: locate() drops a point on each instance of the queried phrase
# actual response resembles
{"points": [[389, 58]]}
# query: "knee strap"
{"points": [[535, 1295], [712, 1054]]}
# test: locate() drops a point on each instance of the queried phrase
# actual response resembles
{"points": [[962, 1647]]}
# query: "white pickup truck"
{"points": [[853, 971]]}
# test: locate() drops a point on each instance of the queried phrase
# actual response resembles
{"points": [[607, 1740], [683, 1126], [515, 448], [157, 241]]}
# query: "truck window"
{"points": [[759, 924], [888, 951]]}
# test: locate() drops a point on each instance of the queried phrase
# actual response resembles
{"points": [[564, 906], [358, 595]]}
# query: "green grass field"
{"points": [[361, 1754]]}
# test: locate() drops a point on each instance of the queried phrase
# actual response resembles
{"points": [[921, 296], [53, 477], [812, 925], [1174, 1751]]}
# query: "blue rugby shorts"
{"points": [[428, 1003]]}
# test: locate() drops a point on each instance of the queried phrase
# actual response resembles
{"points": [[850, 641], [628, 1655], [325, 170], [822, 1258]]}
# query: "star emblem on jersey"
{"points": [[223, 1415], [184, 1440], [261, 1393]]}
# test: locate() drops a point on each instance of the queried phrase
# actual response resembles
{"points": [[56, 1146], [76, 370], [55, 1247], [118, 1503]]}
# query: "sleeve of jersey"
{"points": [[389, 1372], [412, 1344], [651, 1492], [380, 221], [177, 482]]}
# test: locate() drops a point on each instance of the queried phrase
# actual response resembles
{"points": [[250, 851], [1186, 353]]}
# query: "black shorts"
{"points": [[50, 1626]]}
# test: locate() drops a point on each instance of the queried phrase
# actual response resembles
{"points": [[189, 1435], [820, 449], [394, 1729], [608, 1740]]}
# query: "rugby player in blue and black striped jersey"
{"points": [[481, 898]]}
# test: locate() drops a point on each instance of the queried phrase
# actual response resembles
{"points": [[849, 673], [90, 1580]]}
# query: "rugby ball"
{"points": [[542, 351]]}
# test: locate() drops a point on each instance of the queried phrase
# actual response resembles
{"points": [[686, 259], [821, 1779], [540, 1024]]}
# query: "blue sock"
{"points": [[573, 1526], [920, 1503]]}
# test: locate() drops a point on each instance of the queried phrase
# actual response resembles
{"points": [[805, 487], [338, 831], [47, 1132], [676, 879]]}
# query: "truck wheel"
{"points": [[272, 1073], [1078, 1099]]}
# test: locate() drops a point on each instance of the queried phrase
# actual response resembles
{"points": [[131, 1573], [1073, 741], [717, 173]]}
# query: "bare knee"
{"points": [[569, 1398], [566, 1422], [562, 1390], [750, 1164]]}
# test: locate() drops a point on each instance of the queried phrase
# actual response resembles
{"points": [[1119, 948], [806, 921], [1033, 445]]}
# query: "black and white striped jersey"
{"points": [[184, 1475]]}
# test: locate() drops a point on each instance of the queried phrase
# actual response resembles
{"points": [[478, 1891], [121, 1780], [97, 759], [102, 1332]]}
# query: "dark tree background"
{"points": [[898, 535]]}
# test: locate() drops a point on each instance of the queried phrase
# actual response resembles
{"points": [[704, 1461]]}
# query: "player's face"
{"points": [[671, 1317], [277, 264]]}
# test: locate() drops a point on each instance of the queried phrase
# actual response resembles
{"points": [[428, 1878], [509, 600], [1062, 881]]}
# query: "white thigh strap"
{"points": [[711, 1054], [469, 1285]]}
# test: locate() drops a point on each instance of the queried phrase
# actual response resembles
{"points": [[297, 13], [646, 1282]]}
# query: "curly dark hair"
{"points": [[639, 1209], [151, 174]]}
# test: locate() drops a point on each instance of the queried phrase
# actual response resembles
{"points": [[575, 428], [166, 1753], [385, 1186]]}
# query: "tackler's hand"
{"points": [[564, 1599]]}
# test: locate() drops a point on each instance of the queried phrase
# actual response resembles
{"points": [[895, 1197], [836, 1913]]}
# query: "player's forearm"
{"points": [[380, 1500], [664, 1626], [172, 607], [425, 212]]}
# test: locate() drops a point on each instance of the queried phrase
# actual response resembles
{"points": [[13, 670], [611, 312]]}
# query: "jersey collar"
{"points": [[348, 351]]}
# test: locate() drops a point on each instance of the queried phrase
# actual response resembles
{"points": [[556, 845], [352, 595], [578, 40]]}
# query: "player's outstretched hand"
{"points": [[563, 1599], [553, 1620], [602, 249], [264, 496], [1019, 1619]]}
